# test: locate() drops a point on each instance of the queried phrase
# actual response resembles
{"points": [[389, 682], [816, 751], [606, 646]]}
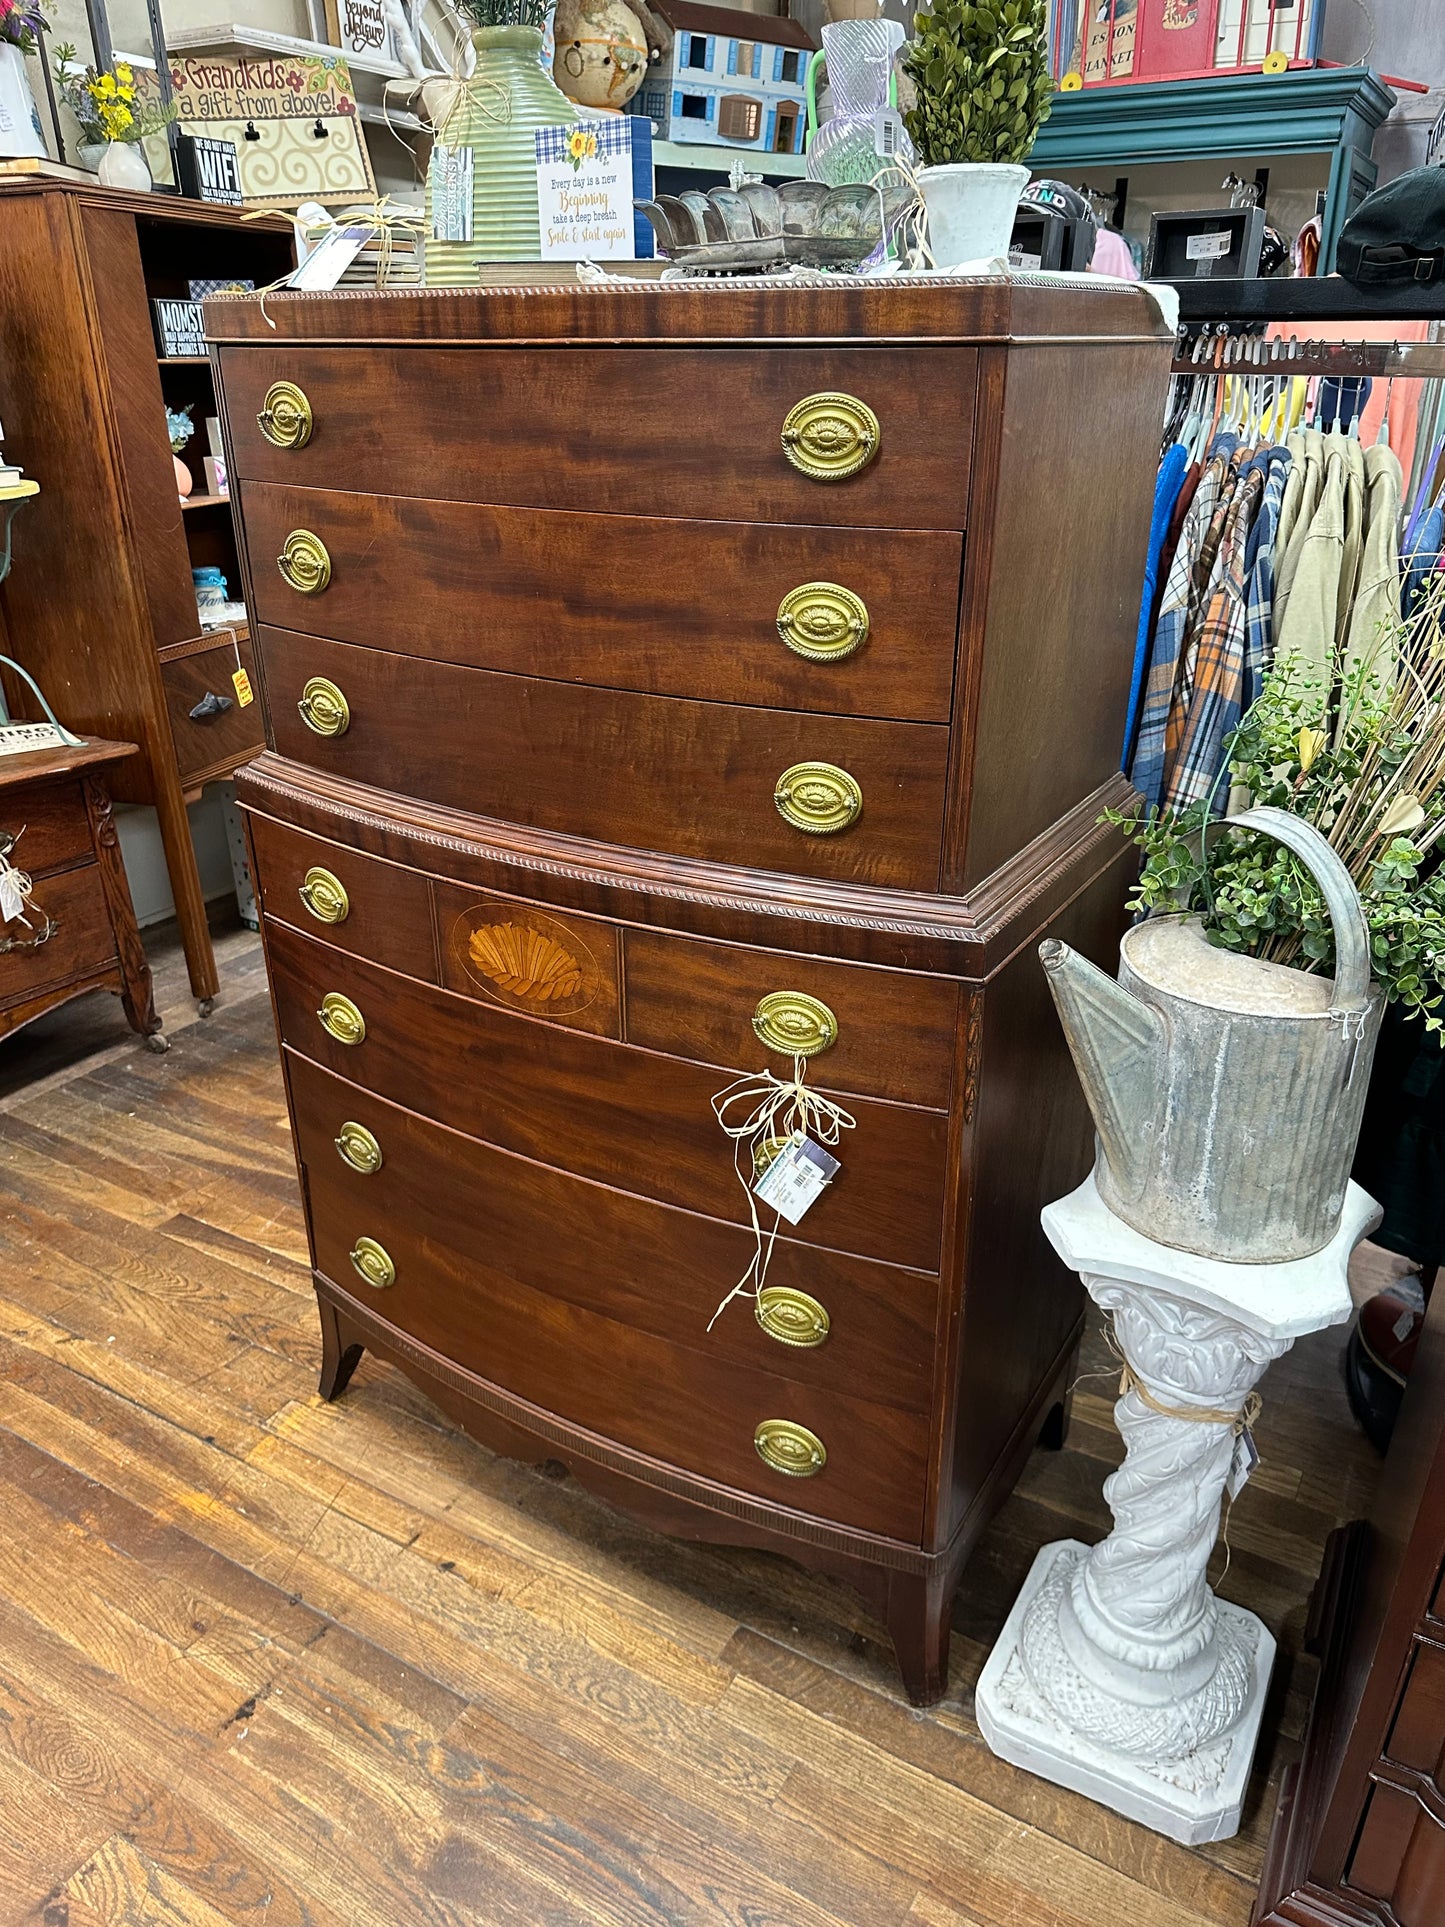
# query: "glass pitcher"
{"points": [[858, 56]]}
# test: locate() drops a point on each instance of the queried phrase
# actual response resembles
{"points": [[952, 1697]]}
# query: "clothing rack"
{"points": [[1253, 354]]}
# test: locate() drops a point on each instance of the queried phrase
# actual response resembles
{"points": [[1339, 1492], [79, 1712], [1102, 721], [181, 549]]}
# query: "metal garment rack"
{"points": [[1253, 355]]}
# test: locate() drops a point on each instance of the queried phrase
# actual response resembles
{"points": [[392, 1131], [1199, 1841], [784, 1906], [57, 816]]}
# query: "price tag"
{"points": [[241, 683], [451, 193], [887, 133], [796, 1178], [1207, 247], [12, 902], [330, 258], [1246, 1458]]}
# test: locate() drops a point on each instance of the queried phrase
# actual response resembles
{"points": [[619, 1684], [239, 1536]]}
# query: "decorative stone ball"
{"points": [[601, 52]]}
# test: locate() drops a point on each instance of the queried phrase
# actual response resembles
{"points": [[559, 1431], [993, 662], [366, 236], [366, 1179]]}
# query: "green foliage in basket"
{"points": [[983, 80], [1371, 781]]}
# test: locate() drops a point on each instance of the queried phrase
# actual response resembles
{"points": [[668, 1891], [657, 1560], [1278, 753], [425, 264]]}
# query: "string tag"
{"points": [[796, 1178], [1246, 1458], [12, 897], [451, 193], [241, 683]]}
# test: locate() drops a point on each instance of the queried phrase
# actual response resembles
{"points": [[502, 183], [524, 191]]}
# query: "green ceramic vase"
{"points": [[508, 96]]}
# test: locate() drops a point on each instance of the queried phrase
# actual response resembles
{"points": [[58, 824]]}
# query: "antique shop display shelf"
{"points": [[660, 681]]}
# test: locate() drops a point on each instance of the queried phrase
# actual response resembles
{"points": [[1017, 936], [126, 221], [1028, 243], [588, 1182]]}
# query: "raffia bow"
{"points": [[753, 1109]]}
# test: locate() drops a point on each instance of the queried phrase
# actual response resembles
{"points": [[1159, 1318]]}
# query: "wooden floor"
{"points": [[268, 1661]]}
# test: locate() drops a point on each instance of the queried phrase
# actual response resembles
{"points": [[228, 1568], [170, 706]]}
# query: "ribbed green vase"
{"points": [[508, 96]]}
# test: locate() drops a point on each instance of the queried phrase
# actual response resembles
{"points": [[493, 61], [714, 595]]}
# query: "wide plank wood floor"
{"points": [[268, 1661]]}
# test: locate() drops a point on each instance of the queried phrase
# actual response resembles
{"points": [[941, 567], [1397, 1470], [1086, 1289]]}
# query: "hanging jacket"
{"points": [[1259, 564], [1354, 540], [1378, 596], [1167, 486], [1306, 632], [1307, 446]]}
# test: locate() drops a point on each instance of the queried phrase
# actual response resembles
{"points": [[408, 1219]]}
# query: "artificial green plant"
{"points": [[982, 78]]}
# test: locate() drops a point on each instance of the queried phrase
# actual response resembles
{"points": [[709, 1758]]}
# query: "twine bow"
{"points": [[23, 887], [777, 1110]]}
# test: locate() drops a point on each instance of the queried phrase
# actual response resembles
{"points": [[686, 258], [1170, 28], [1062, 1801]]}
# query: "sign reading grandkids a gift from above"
{"points": [[588, 177], [291, 120]]}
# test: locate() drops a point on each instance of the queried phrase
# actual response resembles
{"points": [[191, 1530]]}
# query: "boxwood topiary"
{"points": [[983, 81]]}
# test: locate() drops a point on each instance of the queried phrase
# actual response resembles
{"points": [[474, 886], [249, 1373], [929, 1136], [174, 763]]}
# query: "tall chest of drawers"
{"points": [[661, 681]]}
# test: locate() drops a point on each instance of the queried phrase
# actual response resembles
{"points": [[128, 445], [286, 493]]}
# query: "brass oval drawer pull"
{"points": [[818, 797], [766, 1149], [304, 563], [793, 1318], [372, 1262], [823, 621], [793, 1022], [285, 417], [324, 710], [830, 437], [341, 1017], [358, 1148], [790, 1448], [325, 896]]}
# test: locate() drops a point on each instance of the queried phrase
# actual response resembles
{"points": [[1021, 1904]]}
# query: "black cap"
{"points": [[1396, 237]]}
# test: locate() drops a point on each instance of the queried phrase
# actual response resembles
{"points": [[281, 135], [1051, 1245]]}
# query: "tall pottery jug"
{"points": [[494, 113], [1227, 1093]]}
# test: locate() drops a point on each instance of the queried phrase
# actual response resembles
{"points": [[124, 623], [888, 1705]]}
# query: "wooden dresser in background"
{"points": [[100, 607], [658, 679]]}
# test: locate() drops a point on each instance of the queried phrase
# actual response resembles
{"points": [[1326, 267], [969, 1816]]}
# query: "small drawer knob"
{"points": [[819, 798], [823, 621], [324, 710], [304, 562], [325, 896], [357, 1147], [830, 437], [342, 1019], [372, 1263], [793, 1022], [793, 1318], [285, 417], [790, 1448]]}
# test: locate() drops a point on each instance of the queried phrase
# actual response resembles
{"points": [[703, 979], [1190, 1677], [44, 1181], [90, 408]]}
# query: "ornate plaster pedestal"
{"points": [[1119, 1674]]}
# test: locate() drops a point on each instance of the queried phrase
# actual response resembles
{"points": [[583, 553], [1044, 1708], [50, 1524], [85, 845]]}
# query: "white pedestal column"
{"points": [[1119, 1673]]}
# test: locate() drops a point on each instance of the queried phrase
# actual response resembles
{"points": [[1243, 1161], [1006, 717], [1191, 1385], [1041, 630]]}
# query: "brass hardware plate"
{"points": [[304, 563], [766, 1149], [818, 797], [358, 1148], [324, 710], [285, 417], [830, 437], [793, 1022], [341, 1017], [792, 1317], [325, 896], [823, 621], [372, 1263], [790, 1448]]}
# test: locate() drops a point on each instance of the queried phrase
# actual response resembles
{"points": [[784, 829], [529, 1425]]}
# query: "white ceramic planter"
{"points": [[124, 164], [971, 207], [20, 134]]}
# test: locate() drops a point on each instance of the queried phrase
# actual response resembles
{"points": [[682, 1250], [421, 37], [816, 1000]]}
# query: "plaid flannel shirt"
{"points": [[1188, 571], [1218, 682], [1259, 565]]}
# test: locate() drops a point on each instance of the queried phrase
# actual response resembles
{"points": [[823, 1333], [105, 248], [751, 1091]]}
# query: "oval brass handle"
{"points": [[285, 417], [792, 1317], [341, 1017], [304, 564], [793, 1022], [818, 797], [324, 710], [325, 896], [767, 1148], [358, 1148], [373, 1263], [830, 437], [790, 1448], [823, 621]]}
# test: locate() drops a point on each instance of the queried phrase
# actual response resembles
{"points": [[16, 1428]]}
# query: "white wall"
{"points": [[145, 863], [1404, 37]]}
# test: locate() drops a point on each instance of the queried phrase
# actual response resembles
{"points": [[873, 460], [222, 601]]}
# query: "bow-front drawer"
{"points": [[379, 910], [852, 621], [831, 796], [824, 1319], [805, 435], [591, 1106]]}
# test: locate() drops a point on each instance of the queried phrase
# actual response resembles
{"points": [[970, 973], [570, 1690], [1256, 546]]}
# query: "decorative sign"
{"points": [[180, 327], [209, 169], [359, 27], [588, 177], [292, 122], [450, 192]]}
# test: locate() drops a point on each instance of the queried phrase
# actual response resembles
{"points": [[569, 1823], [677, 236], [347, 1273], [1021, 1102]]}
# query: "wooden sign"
{"points": [[209, 169], [180, 327], [292, 122]]}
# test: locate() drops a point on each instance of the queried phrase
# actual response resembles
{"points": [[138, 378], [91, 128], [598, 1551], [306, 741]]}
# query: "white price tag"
{"points": [[796, 1178], [1246, 1458], [887, 133], [330, 258], [1207, 247], [12, 903]]}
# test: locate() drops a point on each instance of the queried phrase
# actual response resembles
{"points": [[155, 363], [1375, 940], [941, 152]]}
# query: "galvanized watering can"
{"points": [[1227, 1093]]}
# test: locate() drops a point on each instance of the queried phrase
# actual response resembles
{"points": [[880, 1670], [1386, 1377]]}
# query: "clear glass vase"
{"points": [[859, 56]]}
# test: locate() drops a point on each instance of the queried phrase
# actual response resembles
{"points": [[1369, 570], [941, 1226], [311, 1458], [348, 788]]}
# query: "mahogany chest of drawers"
{"points": [[657, 679]]}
